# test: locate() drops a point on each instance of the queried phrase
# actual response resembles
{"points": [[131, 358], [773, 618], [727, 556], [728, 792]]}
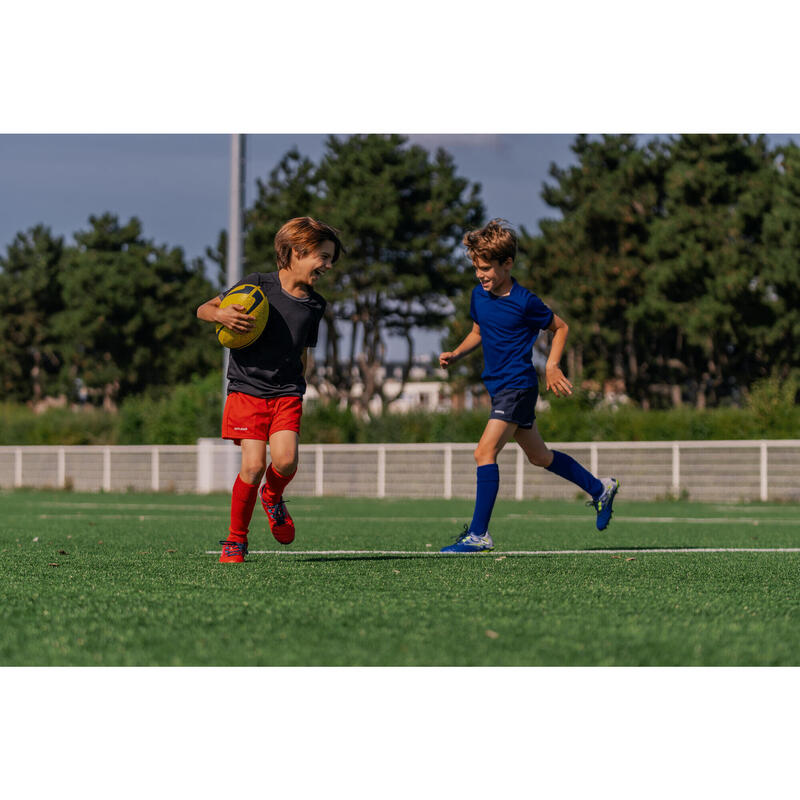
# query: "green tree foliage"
{"points": [[402, 214], [128, 320], [113, 313], [590, 264], [30, 352], [703, 300], [289, 192], [675, 264], [778, 280]]}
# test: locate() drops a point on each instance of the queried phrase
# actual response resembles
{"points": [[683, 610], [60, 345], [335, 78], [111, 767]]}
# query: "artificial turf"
{"points": [[127, 579]]}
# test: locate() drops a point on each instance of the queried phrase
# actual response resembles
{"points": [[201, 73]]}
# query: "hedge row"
{"points": [[192, 410]]}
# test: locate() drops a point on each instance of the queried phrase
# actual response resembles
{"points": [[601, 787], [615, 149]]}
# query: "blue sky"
{"points": [[178, 184]]}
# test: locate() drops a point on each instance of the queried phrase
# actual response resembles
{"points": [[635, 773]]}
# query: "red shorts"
{"points": [[248, 417]]}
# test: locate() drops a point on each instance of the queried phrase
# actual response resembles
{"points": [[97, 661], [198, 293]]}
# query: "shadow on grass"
{"points": [[490, 555]]}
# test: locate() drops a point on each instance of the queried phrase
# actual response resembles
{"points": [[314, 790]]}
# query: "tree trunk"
{"points": [[35, 373], [404, 372]]}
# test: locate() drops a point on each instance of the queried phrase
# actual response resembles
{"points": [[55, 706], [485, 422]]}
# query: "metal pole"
{"points": [[235, 231]]}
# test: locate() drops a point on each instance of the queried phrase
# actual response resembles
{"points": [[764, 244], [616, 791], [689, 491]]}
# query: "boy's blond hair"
{"points": [[495, 241], [303, 234]]}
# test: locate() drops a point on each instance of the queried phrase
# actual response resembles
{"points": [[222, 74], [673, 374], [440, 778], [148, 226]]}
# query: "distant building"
{"points": [[426, 389], [418, 396]]}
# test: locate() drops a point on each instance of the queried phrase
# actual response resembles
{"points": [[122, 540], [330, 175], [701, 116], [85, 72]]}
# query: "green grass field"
{"points": [[127, 579]]}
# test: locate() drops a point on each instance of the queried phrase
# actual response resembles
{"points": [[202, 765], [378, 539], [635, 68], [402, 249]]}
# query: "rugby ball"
{"points": [[255, 303]]}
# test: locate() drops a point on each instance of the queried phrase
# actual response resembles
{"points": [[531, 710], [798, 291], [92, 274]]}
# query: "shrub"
{"points": [[326, 422], [19, 425], [193, 410], [188, 412]]}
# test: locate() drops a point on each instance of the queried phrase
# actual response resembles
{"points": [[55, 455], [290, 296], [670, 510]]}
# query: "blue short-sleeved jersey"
{"points": [[509, 327]]}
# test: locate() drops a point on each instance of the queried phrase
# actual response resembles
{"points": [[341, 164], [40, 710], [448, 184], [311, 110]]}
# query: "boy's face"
{"points": [[492, 275], [308, 269]]}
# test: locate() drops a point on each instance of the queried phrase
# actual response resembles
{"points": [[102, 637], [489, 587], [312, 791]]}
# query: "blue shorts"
{"points": [[516, 405]]}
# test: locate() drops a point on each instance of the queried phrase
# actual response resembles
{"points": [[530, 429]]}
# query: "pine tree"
{"points": [[128, 321], [30, 354], [778, 279], [590, 264], [702, 293], [401, 214]]}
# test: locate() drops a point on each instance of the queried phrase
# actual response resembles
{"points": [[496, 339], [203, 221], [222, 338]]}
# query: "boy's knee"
{"points": [[541, 459], [253, 477], [484, 455], [252, 471], [284, 467]]}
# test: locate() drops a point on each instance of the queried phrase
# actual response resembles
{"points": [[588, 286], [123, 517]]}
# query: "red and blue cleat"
{"points": [[233, 552]]}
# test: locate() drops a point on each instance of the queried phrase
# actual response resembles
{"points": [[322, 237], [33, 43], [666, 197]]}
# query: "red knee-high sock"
{"points": [[243, 500], [276, 483]]}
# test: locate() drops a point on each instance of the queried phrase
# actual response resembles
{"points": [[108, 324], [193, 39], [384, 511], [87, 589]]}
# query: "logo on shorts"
{"points": [[499, 411], [240, 429]]}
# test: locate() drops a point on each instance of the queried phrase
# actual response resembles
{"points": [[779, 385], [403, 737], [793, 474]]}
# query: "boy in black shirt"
{"points": [[266, 379]]}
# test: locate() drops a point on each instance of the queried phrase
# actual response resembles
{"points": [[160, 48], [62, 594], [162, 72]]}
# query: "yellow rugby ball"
{"points": [[255, 303]]}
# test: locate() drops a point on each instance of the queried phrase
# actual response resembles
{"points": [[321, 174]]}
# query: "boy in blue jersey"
{"points": [[506, 320]]}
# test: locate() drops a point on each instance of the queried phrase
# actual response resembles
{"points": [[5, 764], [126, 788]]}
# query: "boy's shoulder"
{"points": [[518, 293], [526, 295], [272, 285], [317, 299], [521, 291], [530, 305], [261, 278], [537, 312]]}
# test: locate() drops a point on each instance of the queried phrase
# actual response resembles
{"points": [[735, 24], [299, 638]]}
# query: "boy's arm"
{"points": [[471, 341], [555, 379], [232, 317]]}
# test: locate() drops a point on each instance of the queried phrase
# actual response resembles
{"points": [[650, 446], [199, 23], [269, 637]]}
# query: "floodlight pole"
{"points": [[235, 231]]}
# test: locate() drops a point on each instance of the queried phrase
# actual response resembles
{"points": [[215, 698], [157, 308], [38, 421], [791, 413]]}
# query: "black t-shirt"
{"points": [[272, 366]]}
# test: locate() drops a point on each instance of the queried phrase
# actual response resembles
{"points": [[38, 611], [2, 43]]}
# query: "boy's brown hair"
{"points": [[495, 241], [304, 234]]}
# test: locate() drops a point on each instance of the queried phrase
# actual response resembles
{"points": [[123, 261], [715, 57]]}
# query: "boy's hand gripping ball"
{"points": [[255, 304]]}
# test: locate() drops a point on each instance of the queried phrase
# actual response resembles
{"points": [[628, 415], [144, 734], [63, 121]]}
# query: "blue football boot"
{"points": [[604, 504], [469, 542]]}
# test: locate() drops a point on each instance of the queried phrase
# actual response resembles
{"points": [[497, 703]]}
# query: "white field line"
{"points": [[496, 553]]}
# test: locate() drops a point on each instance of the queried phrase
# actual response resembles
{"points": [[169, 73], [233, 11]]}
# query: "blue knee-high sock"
{"points": [[485, 495], [567, 467]]}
